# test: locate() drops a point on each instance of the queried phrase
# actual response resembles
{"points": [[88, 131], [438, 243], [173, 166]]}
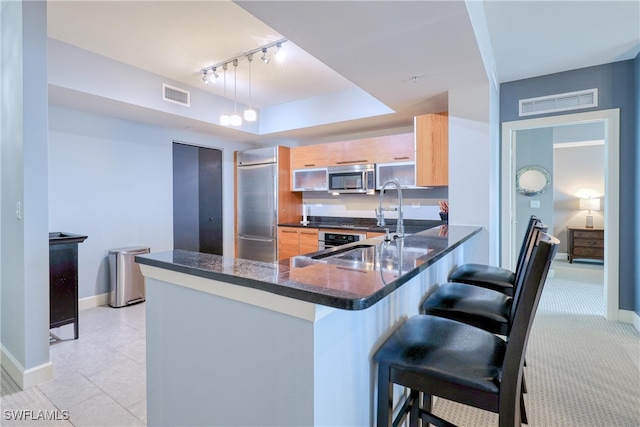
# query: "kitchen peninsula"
{"points": [[239, 342]]}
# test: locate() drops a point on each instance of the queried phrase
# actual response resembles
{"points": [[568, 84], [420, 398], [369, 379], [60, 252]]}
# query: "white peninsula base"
{"points": [[220, 354]]}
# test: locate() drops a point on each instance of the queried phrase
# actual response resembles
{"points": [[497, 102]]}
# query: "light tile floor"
{"points": [[101, 378]]}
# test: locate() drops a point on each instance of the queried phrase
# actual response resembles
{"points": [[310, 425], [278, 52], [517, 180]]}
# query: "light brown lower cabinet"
{"points": [[294, 241]]}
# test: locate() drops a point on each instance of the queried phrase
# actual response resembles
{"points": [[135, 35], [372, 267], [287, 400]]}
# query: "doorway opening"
{"points": [[611, 121]]}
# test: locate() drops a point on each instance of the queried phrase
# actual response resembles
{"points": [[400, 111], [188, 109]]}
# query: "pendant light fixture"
{"points": [[236, 120], [225, 120], [209, 75], [250, 114]]}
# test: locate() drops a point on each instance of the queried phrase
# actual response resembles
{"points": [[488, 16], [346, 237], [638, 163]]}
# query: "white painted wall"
{"points": [[112, 180], [25, 245], [473, 187], [487, 106]]}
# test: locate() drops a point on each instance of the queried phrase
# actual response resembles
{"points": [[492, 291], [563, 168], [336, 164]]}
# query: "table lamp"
{"points": [[590, 204]]}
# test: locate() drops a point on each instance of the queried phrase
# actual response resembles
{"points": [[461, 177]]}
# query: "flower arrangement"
{"points": [[444, 210]]}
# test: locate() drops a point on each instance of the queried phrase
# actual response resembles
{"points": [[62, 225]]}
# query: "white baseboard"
{"points": [[561, 255], [628, 316], [94, 301], [25, 378]]}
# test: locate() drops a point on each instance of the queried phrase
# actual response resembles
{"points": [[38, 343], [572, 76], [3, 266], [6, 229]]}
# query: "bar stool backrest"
{"points": [[543, 252], [534, 235], [533, 220]]}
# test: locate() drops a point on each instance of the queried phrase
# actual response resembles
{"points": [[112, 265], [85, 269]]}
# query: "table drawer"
{"points": [[598, 243], [596, 234], [594, 252]]}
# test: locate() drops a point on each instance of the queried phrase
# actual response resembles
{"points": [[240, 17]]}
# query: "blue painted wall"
{"points": [[637, 181], [617, 85]]}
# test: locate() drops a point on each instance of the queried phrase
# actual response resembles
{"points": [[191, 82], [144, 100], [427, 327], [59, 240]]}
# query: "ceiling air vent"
{"points": [[560, 102], [175, 95]]}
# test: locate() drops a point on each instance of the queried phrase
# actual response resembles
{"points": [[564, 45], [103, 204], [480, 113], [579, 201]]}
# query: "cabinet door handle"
{"points": [[309, 165], [401, 158], [351, 161]]}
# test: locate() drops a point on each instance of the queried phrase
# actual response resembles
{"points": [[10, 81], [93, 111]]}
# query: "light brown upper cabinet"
{"points": [[357, 151], [432, 149], [395, 148], [309, 156]]}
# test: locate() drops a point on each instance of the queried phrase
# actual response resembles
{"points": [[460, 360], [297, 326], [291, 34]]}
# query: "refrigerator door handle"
{"points": [[260, 239]]}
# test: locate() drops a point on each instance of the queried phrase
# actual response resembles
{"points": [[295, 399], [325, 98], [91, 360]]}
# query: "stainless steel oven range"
{"points": [[330, 239]]}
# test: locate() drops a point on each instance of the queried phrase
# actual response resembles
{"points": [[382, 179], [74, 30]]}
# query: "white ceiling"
{"points": [[376, 46]]}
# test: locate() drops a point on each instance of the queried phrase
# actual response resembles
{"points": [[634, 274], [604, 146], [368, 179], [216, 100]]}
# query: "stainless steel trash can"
{"points": [[126, 280]]}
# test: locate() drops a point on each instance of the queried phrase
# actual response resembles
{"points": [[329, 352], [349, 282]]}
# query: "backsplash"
{"points": [[418, 204]]}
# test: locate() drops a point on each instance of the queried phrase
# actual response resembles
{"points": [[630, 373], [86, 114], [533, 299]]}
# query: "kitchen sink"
{"points": [[342, 253]]}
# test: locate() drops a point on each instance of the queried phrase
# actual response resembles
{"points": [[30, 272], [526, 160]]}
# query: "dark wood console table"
{"points": [[585, 242], [63, 279]]}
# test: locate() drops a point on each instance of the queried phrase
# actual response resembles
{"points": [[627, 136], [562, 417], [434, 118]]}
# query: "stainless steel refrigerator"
{"points": [[257, 204]]}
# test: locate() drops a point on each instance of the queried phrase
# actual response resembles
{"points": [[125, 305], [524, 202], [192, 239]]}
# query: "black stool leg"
{"points": [[414, 415], [427, 406], [385, 396]]}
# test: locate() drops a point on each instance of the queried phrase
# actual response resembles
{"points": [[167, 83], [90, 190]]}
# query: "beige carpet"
{"points": [[581, 369]]}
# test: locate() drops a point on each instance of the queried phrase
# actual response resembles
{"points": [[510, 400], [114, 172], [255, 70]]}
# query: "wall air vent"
{"points": [[560, 102], [176, 95]]}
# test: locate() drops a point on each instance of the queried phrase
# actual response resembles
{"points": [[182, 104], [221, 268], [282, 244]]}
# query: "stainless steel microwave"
{"points": [[352, 179]]}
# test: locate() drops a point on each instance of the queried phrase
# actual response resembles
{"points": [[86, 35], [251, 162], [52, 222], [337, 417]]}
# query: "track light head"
{"points": [[209, 76], [280, 54], [264, 56]]}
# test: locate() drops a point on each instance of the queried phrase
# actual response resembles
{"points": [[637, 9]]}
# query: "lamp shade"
{"points": [[590, 204]]}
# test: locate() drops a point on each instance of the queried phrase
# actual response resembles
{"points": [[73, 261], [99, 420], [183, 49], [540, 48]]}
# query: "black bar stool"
{"points": [[496, 278], [484, 308], [436, 356]]}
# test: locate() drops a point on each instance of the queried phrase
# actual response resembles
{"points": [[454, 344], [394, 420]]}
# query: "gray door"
{"points": [[197, 199]]}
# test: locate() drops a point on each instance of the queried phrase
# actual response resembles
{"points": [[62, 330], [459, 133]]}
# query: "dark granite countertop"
{"points": [[352, 280], [363, 224]]}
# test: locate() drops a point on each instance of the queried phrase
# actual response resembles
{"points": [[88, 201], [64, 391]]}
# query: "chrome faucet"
{"points": [[380, 210]]}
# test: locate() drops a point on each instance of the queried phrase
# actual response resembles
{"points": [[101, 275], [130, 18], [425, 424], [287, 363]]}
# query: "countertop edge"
{"points": [[340, 302]]}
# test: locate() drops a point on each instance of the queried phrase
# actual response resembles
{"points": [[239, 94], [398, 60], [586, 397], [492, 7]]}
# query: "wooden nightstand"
{"points": [[585, 243]]}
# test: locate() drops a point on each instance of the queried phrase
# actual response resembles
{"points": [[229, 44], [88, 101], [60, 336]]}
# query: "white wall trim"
{"points": [[561, 255], [25, 378], [628, 316], [94, 301], [611, 119]]}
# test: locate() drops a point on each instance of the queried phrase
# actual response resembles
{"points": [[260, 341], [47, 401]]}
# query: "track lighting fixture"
{"points": [[235, 118], [264, 57], [280, 55], [209, 75], [225, 120], [250, 114]]}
